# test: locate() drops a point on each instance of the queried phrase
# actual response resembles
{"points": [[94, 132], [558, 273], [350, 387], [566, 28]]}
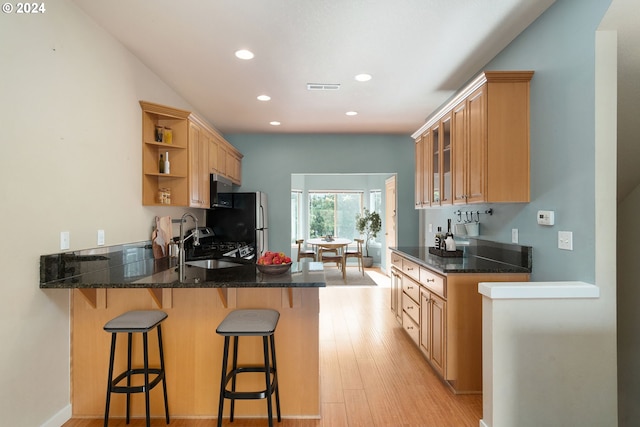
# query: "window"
{"points": [[334, 213]]}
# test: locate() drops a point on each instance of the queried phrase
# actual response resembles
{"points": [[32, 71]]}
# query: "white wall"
{"points": [[70, 160]]}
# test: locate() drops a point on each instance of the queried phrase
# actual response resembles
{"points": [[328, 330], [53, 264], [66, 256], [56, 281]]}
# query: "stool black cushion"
{"points": [[136, 321], [259, 322]]}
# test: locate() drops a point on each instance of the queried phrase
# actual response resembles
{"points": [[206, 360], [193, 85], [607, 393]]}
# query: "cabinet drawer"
{"points": [[410, 307], [411, 288], [411, 327], [433, 282], [396, 260], [411, 269]]}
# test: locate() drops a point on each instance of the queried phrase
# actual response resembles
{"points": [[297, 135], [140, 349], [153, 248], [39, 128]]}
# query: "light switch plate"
{"points": [[565, 240], [64, 240], [100, 237], [514, 235]]}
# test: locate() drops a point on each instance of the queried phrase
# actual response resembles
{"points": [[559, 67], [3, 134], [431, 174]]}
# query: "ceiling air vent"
{"points": [[323, 86]]}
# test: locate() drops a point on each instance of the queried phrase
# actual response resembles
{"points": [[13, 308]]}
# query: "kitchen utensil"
{"points": [[460, 229], [473, 228]]}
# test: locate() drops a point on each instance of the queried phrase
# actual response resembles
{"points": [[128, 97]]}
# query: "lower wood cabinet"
{"points": [[442, 314], [432, 329]]}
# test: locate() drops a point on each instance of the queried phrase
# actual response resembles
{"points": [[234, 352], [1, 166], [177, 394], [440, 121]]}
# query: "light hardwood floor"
{"points": [[371, 372]]}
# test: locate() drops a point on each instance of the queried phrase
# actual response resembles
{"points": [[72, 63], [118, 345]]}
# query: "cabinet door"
{"points": [[198, 167], [435, 151], [418, 173], [459, 153], [426, 170], [213, 156], [194, 177], [396, 293], [203, 169], [476, 145], [425, 323], [445, 163], [233, 167], [222, 160], [438, 333]]}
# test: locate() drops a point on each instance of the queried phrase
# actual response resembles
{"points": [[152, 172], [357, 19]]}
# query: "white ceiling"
{"points": [[418, 52]]}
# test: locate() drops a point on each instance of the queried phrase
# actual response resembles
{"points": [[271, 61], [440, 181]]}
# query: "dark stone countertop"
{"points": [[479, 256], [133, 266]]}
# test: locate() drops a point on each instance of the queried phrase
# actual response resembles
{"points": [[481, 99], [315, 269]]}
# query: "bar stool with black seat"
{"points": [[137, 321], [254, 323], [305, 253]]}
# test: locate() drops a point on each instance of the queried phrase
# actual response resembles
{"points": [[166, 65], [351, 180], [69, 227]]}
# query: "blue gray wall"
{"points": [[559, 47], [269, 161]]}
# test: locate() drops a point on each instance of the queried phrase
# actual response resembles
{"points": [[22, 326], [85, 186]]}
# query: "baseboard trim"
{"points": [[483, 424], [60, 418]]}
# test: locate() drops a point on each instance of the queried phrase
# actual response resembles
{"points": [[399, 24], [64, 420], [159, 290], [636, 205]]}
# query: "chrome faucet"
{"points": [[196, 241]]}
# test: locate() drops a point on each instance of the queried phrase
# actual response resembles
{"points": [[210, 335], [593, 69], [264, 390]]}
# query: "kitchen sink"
{"points": [[212, 264]]}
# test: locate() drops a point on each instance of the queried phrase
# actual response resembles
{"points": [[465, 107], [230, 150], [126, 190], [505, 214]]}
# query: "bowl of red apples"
{"points": [[273, 263]]}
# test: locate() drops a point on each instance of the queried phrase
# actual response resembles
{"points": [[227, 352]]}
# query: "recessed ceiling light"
{"points": [[351, 113], [363, 77], [274, 123], [264, 98], [244, 54]]}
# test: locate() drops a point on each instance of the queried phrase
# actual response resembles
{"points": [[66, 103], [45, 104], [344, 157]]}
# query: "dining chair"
{"points": [[355, 253], [305, 253], [327, 256]]}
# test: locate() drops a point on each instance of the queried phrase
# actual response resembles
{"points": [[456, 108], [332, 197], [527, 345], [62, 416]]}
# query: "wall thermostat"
{"points": [[546, 218]]}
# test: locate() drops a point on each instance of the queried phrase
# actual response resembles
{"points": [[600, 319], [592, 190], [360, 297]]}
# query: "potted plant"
{"points": [[368, 225]]}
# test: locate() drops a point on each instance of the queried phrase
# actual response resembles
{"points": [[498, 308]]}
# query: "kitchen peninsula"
{"points": [[106, 282]]}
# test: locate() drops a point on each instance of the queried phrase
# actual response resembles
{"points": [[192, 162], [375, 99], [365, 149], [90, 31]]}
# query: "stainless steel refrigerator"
{"points": [[245, 221]]}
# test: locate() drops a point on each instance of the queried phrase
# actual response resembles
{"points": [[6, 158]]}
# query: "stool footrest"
{"points": [[159, 376], [262, 394]]}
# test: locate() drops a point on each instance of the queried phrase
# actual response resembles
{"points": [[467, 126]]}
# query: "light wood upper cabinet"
{"points": [[419, 182], [172, 186], [198, 167], [196, 150], [489, 140]]}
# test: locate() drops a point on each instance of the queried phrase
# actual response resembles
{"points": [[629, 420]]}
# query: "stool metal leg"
{"points": [[146, 377], [164, 376], [276, 386], [113, 351], [129, 338], [267, 374], [234, 369], [223, 379]]}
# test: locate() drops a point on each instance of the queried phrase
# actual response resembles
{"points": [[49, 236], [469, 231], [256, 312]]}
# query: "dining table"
{"points": [[335, 243]]}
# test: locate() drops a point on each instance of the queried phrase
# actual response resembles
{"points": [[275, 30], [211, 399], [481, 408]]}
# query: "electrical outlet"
{"points": [[64, 240], [514, 235], [100, 237], [565, 240]]}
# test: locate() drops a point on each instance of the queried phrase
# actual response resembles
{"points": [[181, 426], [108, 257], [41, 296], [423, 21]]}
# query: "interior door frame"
{"points": [[391, 219]]}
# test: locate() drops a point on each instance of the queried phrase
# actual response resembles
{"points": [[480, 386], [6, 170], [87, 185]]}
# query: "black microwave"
{"points": [[220, 192]]}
